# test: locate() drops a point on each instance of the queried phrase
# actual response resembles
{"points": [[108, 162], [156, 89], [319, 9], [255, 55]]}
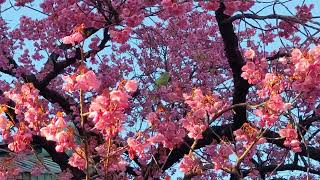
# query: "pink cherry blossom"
{"points": [[119, 96], [238, 85], [87, 81], [3, 123], [187, 164], [302, 66], [296, 55], [49, 132], [153, 119], [276, 103], [291, 138], [131, 85], [69, 84], [253, 72], [136, 148], [65, 141], [249, 54], [220, 155], [60, 123], [21, 140], [157, 139], [73, 39], [121, 36], [77, 161]]}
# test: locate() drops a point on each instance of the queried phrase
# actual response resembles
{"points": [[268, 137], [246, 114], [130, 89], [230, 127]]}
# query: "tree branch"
{"points": [[285, 167], [241, 88], [293, 19], [236, 62]]}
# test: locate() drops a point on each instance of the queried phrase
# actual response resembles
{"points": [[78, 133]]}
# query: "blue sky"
{"points": [[12, 17]]}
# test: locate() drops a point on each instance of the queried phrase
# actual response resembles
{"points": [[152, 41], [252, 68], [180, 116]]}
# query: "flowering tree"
{"points": [[145, 88]]}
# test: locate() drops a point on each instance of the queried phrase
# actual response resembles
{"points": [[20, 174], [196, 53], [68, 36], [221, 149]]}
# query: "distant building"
{"points": [[42, 160]]}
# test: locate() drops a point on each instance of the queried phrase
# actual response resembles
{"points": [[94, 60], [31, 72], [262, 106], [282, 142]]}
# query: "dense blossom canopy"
{"points": [[159, 89]]}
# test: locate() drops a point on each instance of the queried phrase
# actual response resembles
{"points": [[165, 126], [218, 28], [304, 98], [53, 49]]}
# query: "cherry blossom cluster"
{"points": [[76, 37], [78, 159], [304, 12], [30, 112], [138, 148], [306, 71], [286, 29], [175, 9], [178, 40], [107, 112], [169, 133], [116, 163], [132, 16], [189, 163], [22, 2], [253, 70], [59, 132], [248, 138], [5, 127], [291, 138], [86, 81], [28, 105], [220, 155], [21, 139], [202, 108], [73, 39], [5, 44], [248, 135], [231, 6], [269, 114], [300, 74], [121, 36], [270, 86], [62, 21]]}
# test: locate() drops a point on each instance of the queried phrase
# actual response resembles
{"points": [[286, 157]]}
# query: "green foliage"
{"points": [[163, 79]]}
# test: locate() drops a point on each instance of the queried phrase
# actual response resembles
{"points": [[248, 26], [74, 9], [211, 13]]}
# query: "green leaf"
{"points": [[163, 79]]}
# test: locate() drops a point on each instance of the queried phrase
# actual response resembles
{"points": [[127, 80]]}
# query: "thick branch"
{"points": [[240, 92], [236, 62], [277, 56], [274, 138], [214, 133], [308, 122], [54, 97], [58, 68]]}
